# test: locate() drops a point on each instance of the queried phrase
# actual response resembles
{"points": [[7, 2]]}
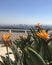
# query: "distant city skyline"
{"points": [[26, 12]]}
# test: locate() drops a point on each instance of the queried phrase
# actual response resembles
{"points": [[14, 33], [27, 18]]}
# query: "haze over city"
{"points": [[25, 11]]}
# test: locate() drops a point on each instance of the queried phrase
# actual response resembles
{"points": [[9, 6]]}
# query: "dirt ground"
{"points": [[3, 52]]}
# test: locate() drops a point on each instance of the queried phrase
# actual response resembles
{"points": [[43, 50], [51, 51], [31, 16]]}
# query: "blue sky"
{"points": [[25, 11]]}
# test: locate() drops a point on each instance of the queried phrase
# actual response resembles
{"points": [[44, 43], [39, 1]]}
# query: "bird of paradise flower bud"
{"points": [[39, 25], [22, 37], [43, 34], [6, 38]]}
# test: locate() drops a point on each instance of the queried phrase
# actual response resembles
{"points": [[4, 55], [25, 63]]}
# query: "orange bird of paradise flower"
{"points": [[6, 38], [43, 34]]}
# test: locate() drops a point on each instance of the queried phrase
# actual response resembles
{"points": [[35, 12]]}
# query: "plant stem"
{"points": [[8, 55]]}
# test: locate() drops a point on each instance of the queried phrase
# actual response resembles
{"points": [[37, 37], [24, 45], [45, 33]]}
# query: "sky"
{"points": [[26, 12]]}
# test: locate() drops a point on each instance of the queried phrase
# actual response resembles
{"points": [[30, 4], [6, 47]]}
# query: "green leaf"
{"points": [[4, 60], [35, 57], [14, 50], [16, 53], [1, 63]]}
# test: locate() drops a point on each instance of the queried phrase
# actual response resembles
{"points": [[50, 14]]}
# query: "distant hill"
{"points": [[21, 26]]}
